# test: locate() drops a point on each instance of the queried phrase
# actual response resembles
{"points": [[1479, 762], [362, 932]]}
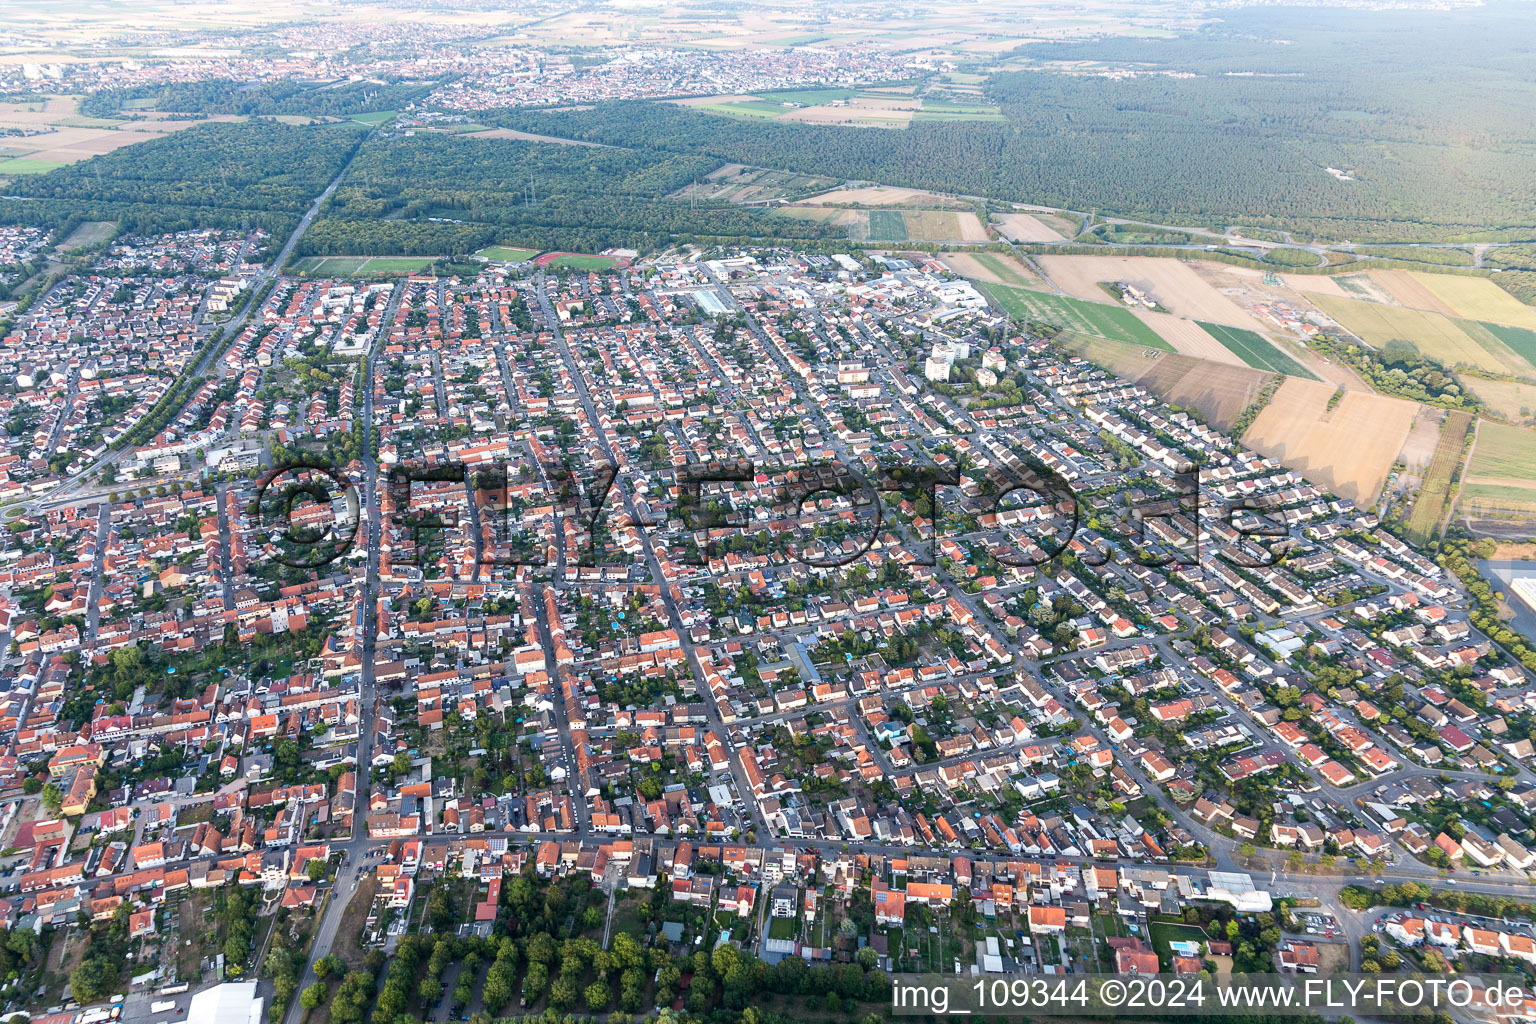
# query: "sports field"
{"points": [[360, 266], [887, 226], [576, 261], [1431, 334], [1095, 319], [1256, 350], [503, 254], [1429, 508]]}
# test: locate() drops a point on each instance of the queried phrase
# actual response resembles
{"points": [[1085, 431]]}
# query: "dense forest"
{"points": [[286, 96], [257, 173], [429, 194], [1429, 112]]}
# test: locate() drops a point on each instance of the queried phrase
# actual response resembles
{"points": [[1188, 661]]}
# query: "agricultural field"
{"points": [[360, 266], [1218, 391], [26, 165], [1187, 338], [65, 137], [503, 254], [1431, 334], [1502, 471], [1518, 339], [1173, 283], [886, 226], [1509, 400], [1435, 493], [1255, 350], [992, 267], [1348, 449], [1477, 298], [1094, 319], [883, 225], [738, 183], [884, 195], [1408, 289], [1026, 227]]}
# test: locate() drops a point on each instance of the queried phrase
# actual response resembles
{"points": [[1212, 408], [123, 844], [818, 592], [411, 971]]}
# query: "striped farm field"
{"points": [[1478, 298], [1503, 467], [887, 226], [1095, 319], [1256, 350], [1429, 507], [1431, 334]]}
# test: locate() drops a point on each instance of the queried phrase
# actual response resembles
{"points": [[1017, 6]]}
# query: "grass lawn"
{"points": [[1255, 350], [504, 254], [578, 261], [90, 233], [782, 928], [377, 117], [1096, 319], [1164, 932], [887, 226], [360, 266]]}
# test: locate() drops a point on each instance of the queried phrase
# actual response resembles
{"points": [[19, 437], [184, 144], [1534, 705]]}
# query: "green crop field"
{"points": [[360, 266], [1003, 270], [504, 254], [745, 108], [1431, 334], [1520, 340], [1091, 318], [1255, 350], [808, 97], [1429, 508], [887, 226], [377, 117], [24, 165]]}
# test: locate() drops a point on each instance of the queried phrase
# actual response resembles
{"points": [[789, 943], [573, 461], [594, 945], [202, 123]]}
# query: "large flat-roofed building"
{"points": [[234, 1002]]}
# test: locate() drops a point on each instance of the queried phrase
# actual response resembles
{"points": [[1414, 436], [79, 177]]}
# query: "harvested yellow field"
{"points": [[825, 214], [943, 226], [879, 195], [1348, 449], [1313, 284], [1187, 337], [1407, 290], [1176, 287], [992, 267], [1026, 227], [1477, 298], [1219, 391], [1431, 334]]}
